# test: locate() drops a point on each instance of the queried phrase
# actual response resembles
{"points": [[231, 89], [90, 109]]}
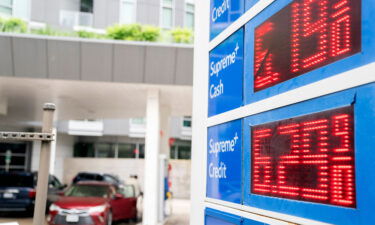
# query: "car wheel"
{"points": [[109, 218]]}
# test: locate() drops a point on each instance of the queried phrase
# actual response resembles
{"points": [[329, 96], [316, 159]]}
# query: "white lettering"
{"points": [[217, 12], [216, 91], [224, 62], [223, 146], [218, 172]]}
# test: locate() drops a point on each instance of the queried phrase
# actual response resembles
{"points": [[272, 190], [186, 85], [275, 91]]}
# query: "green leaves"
{"points": [[14, 25], [129, 32], [133, 32], [182, 35]]}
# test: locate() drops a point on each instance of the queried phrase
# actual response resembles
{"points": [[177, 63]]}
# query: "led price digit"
{"points": [[305, 35], [308, 158]]}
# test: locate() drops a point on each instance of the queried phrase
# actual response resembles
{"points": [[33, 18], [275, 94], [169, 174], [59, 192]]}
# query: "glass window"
{"points": [[87, 6], [128, 191], [16, 180], [187, 121], [21, 9], [84, 150], [141, 151], [180, 150], [54, 182], [6, 7], [127, 11], [104, 150], [184, 152], [173, 152], [167, 14], [139, 121], [127, 151], [88, 191], [189, 16], [168, 3]]}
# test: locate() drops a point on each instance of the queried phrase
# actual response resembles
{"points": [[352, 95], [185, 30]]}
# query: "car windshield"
{"points": [[16, 180], [88, 191]]}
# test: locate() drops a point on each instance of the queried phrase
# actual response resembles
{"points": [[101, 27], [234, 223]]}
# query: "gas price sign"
{"points": [[303, 36], [308, 158]]}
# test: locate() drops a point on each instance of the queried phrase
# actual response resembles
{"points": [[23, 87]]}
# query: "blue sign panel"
{"points": [[276, 63], [226, 75], [319, 156], [215, 217], [250, 3], [223, 13], [224, 156], [252, 222]]}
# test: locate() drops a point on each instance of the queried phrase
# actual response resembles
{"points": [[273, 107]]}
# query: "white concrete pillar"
{"points": [[53, 152], [52, 162], [164, 156], [152, 144], [199, 128], [164, 130]]}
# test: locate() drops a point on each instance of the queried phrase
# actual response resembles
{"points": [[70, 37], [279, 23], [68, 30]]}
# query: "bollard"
{"points": [[43, 173]]}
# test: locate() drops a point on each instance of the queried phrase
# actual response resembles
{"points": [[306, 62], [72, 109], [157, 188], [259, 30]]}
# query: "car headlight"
{"points": [[54, 207], [97, 209]]}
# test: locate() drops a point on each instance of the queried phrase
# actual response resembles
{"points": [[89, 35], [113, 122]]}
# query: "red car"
{"points": [[94, 203]]}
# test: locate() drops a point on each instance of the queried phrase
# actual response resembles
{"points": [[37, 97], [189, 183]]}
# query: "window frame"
{"points": [[173, 8], [135, 4], [187, 11], [80, 7], [187, 119], [11, 6]]}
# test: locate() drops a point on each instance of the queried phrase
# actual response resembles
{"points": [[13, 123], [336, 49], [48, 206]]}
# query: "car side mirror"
{"points": [[141, 193], [62, 187], [118, 196]]}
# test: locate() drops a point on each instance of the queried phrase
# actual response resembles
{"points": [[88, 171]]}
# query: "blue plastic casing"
{"points": [[226, 75], [365, 56], [223, 13], [224, 150], [249, 4], [215, 217], [363, 101]]}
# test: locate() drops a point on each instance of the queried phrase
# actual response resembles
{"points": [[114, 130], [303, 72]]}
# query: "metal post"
{"points": [[44, 164]]}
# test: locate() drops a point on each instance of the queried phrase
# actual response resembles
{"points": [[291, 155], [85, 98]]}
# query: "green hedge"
{"points": [[182, 35], [131, 32], [13, 25]]}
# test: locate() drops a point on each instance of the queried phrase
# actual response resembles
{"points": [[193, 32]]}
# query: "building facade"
{"points": [[99, 14], [108, 139]]}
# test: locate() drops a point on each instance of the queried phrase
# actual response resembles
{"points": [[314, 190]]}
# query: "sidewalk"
{"points": [[180, 212]]}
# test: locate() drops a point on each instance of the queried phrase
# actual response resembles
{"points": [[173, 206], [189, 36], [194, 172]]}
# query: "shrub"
{"points": [[2, 21], [88, 34], [182, 35], [14, 25], [150, 33], [45, 31], [131, 32], [52, 32]]}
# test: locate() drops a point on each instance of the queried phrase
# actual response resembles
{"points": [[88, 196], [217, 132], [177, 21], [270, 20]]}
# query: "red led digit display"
{"points": [[305, 35], [308, 158]]}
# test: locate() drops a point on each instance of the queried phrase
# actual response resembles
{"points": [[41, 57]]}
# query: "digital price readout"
{"points": [[308, 158], [303, 36]]}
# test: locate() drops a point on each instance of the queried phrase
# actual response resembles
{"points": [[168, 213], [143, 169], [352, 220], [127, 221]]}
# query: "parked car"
{"points": [[93, 202], [18, 191], [88, 176]]}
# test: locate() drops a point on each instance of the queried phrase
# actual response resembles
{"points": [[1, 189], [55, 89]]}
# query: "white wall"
{"points": [[64, 149]]}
